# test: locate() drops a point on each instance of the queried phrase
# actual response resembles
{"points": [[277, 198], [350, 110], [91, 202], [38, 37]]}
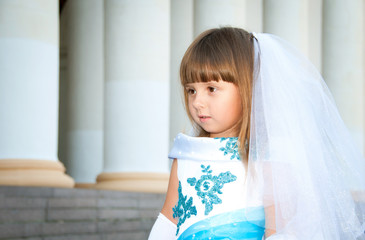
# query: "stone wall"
{"points": [[76, 214], [37, 213]]}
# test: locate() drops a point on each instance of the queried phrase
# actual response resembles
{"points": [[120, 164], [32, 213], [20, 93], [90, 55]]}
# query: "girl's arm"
{"points": [[269, 221], [165, 225], [172, 194]]}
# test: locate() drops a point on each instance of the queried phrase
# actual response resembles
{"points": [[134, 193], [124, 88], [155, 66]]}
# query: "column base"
{"points": [[133, 182], [85, 185], [42, 173]]}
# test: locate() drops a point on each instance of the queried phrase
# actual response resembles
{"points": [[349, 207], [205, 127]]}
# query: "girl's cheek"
{"points": [[190, 107]]}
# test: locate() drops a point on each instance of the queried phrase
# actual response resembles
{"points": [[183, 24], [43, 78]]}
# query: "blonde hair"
{"points": [[222, 54]]}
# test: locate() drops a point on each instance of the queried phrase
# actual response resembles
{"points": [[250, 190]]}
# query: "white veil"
{"points": [[302, 162]]}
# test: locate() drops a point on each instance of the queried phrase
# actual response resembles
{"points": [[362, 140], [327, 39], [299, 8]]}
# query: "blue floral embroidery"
{"points": [[183, 209], [208, 186], [231, 147]]}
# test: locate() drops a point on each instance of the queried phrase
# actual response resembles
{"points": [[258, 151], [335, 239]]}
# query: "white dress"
{"points": [[211, 191]]}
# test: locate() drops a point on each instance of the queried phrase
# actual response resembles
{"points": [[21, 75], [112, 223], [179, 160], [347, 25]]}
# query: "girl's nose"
{"points": [[199, 101]]}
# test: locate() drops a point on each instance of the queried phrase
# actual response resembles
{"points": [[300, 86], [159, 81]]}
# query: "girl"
{"points": [[272, 158]]}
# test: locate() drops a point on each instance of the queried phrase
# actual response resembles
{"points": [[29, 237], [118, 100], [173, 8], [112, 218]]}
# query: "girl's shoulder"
{"points": [[205, 148]]}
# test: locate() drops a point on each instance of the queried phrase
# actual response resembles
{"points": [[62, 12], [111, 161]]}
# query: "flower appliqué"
{"points": [[183, 209], [231, 147], [208, 186]]}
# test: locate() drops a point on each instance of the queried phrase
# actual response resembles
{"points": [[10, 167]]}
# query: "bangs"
{"points": [[205, 62]]}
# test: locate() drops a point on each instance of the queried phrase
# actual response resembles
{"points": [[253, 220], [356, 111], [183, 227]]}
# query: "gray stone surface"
{"points": [[21, 202], [8, 230], [31, 238], [75, 237], [120, 226], [126, 236], [72, 202], [71, 214], [75, 193], [119, 213], [118, 194], [150, 213], [124, 202], [33, 229], [37, 213], [22, 215], [59, 228], [151, 202]]}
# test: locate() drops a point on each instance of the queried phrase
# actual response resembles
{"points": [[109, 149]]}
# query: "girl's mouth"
{"points": [[203, 118]]}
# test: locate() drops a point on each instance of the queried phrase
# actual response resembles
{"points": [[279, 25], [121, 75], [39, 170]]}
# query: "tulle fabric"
{"points": [[302, 160]]}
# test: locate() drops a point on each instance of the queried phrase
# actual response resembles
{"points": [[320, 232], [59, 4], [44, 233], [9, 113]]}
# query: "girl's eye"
{"points": [[190, 91], [212, 89]]}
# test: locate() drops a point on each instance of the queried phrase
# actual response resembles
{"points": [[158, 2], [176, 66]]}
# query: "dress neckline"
{"points": [[205, 148]]}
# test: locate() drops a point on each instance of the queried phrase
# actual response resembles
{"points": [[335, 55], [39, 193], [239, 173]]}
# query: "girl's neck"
{"points": [[226, 134]]}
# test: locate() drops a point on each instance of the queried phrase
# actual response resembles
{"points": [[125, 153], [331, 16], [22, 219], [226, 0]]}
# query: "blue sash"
{"points": [[243, 224]]}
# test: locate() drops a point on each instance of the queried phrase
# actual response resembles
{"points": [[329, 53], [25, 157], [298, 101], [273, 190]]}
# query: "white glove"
{"points": [[163, 229]]}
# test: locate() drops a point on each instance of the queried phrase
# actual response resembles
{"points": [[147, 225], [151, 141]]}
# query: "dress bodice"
{"points": [[212, 190]]}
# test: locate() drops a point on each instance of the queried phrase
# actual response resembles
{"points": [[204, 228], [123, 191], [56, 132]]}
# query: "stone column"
{"points": [[297, 21], [137, 50], [216, 13], [343, 61], [82, 120], [29, 94], [181, 36]]}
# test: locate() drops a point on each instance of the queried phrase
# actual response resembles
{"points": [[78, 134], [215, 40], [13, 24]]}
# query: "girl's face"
{"points": [[216, 107]]}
